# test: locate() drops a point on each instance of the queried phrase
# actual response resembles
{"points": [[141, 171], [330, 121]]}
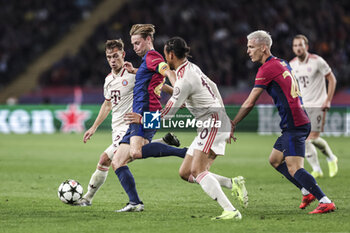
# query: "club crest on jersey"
{"points": [[124, 82], [151, 120], [176, 91]]}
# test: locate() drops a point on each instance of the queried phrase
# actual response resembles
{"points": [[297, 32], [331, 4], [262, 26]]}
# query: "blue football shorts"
{"points": [[138, 130], [292, 141]]}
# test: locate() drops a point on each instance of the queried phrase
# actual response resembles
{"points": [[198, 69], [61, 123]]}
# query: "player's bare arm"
{"points": [[246, 107], [167, 89], [170, 74], [332, 81], [130, 68], [133, 118], [102, 115]]}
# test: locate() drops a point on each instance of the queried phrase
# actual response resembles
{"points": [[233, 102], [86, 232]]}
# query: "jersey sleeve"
{"points": [[323, 66], [262, 79], [181, 92], [215, 89], [106, 93], [155, 62]]}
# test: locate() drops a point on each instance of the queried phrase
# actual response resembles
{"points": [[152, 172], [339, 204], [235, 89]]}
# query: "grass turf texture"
{"points": [[33, 166]]}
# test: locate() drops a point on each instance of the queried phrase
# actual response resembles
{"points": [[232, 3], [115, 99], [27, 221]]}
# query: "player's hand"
{"points": [[183, 106], [326, 105], [88, 134], [129, 67], [233, 128], [133, 118]]}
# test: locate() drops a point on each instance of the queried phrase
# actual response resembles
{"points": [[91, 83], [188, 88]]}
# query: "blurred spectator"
{"points": [[215, 30], [29, 27]]}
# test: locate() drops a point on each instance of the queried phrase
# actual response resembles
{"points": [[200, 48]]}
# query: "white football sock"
{"points": [[96, 181], [325, 199], [212, 187], [223, 181], [304, 191], [311, 156], [322, 144]]}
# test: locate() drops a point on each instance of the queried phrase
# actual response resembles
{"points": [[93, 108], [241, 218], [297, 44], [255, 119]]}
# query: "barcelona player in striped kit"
{"points": [[149, 82], [287, 155]]}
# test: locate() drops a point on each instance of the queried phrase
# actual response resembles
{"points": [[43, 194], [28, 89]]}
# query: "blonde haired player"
{"points": [[312, 71], [118, 93]]}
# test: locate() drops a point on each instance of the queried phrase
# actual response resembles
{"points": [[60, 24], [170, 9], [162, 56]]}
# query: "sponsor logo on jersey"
{"points": [[124, 82]]}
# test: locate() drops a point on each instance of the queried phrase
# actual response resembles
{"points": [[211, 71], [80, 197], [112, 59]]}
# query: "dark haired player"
{"points": [[203, 100]]}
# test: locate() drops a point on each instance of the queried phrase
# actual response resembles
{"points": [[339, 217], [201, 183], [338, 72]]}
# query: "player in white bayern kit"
{"points": [[203, 100], [312, 71], [118, 93]]}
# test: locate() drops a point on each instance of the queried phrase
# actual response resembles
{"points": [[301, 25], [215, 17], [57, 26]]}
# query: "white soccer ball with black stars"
{"points": [[70, 191]]}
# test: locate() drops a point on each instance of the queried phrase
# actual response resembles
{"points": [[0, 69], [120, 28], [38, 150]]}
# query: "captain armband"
{"points": [[163, 67]]}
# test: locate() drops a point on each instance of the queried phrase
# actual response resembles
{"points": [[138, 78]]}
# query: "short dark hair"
{"points": [[300, 36], [178, 46], [111, 44]]}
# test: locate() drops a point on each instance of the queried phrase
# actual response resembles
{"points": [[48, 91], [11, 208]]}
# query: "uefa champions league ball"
{"points": [[70, 191]]}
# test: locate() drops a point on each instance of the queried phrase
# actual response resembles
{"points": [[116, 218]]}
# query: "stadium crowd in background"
{"points": [[28, 28], [216, 31]]}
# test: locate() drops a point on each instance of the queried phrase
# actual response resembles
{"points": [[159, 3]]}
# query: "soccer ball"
{"points": [[70, 191]]}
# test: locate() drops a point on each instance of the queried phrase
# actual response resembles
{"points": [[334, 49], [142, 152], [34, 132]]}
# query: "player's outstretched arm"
{"points": [[129, 67], [245, 109], [167, 89], [102, 115], [170, 74], [332, 82]]}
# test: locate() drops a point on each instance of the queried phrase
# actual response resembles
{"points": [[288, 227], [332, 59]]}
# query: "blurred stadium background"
{"points": [[52, 52]]}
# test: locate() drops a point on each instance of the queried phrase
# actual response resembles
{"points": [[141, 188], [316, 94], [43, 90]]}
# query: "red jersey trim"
{"points": [[181, 71]]}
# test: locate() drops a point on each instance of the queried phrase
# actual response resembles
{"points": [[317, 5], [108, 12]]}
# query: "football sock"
{"points": [[127, 181], [96, 181], [325, 199], [212, 187], [156, 149], [309, 183], [322, 144], [304, 191], [311, 156], [223, 181], [283, 169]]}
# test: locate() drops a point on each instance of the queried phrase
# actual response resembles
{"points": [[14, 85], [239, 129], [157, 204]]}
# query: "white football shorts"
{"points": [[317, 118], [212, 138], [117, 136]]}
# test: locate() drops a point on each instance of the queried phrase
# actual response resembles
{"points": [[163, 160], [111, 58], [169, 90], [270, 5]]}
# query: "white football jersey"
{"points": [[118, 89], [194, 88], [310, 74]]}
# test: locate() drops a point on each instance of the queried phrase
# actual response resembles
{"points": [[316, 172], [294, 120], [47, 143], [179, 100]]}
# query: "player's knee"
{"points": [[136, 154], [274, 163], [184, 174], [104, 160]]}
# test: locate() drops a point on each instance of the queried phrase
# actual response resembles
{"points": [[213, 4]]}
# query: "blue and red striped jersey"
{"points": [[275, 75], [148, 84]]}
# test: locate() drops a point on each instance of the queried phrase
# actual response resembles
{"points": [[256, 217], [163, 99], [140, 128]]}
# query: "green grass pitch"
{"points": [[33, 166]]}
